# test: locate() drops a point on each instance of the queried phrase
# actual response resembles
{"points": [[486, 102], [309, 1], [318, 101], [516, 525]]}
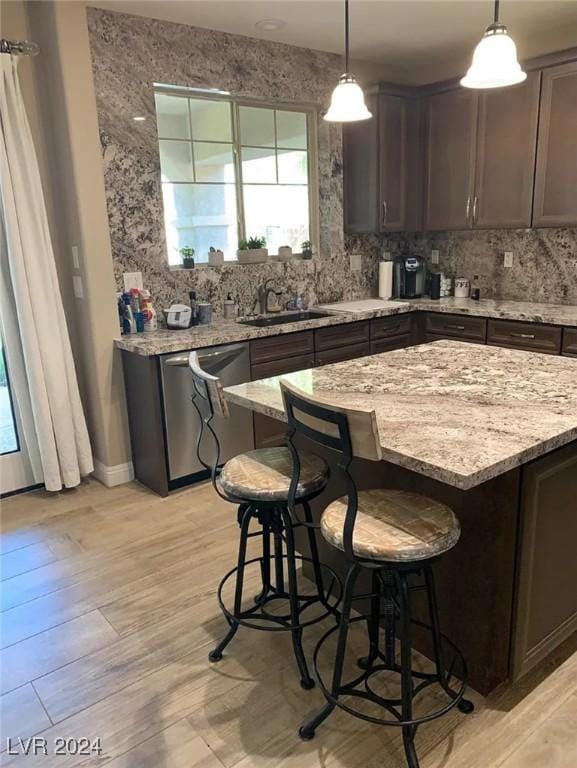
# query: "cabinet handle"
{"points": [[475, 201], [530, 336], [455, 327], [384, 217], [468, 208]]}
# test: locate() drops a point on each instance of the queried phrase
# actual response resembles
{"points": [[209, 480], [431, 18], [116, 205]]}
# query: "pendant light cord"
{"points": [[496, 17], [347, 36]]}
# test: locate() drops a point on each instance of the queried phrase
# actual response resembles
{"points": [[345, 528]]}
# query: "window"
{"points": [[232, 170]]}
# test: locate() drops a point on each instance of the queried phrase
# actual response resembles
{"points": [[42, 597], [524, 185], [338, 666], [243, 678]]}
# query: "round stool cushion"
{"points": [[265, 474], [393, 526]]}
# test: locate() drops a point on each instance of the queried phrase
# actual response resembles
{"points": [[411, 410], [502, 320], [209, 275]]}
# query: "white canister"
{"points": [[462, 288]]}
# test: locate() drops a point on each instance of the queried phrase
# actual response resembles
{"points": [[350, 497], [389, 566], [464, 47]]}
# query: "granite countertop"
{"points": [[229, 331], [456, 412]]}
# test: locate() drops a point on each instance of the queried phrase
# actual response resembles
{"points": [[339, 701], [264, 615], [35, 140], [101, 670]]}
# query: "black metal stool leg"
{"points": [[264, 564], [278, 553], [297, 634], [464, 705], [307, 731], [216, 653], [373, 622], [406, 670]]}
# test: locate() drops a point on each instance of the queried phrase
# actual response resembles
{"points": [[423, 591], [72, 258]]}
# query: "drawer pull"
{"points": [[530, 336], [455, 327]]}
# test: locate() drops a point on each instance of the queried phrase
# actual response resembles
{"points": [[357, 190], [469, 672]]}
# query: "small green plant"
{"points": [[187, 254], [252, 244], [306, 249]]}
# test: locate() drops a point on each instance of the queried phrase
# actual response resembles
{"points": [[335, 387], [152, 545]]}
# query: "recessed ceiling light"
{"points": [[270, 25], [139, 119]]}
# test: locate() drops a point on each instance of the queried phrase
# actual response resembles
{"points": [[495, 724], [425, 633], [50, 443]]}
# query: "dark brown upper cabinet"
{"points": [[481, 157], [505, 162], [381, 167], [451, 128], [555, 201]]}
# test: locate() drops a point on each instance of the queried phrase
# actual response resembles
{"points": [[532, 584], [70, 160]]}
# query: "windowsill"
{"points": [[231, 263]]}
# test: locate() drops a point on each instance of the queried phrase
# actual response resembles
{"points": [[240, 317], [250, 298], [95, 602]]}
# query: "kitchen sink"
{"points": [[291, 317]]}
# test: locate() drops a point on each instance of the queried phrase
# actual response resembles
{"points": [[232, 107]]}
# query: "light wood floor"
{"points": [[109, 610]]}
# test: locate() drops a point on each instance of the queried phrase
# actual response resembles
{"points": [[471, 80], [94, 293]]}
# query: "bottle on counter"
{"points": [[149, 313], [129, 323], [475, 288], [229, 309], [194, 308]]}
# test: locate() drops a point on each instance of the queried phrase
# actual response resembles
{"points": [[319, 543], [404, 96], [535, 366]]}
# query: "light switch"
{"points": [[508, 260], [75, 257], [132, 280], [434, 257], [356, 262], [78, 287]]}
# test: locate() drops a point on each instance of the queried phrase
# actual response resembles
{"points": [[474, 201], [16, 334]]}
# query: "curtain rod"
{"points": [[19, 47]]}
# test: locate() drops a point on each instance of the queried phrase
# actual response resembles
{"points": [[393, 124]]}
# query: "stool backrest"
{"points": [[351, 432], [207, 389]]}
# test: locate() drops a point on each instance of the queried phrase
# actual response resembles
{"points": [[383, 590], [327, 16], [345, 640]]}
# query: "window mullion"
{"points": [[241, 226]]}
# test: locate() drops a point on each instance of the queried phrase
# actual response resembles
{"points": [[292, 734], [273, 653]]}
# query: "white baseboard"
{"points": [[115, 475]]}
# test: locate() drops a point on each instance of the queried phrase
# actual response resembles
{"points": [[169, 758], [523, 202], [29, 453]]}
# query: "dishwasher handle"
{"points": [[210, 359]]}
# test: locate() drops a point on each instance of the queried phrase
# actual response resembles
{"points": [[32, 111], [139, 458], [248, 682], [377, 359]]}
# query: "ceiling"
{"points": [[412, 41]]}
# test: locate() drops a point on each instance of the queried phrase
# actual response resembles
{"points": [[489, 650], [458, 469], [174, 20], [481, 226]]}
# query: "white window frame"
{"points": [[311, 112]]}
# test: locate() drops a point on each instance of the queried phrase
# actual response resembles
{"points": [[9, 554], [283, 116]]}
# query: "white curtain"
{"points": [[37, 341]]}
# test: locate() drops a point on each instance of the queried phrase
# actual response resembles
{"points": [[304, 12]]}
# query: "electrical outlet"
{"points": [[132, 280], [75, 258], [77, 286], [508, 260], [356, 262], [434, 257], [387, 255]]}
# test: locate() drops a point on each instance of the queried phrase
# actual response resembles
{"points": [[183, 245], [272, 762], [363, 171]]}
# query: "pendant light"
{"points": [[348, 100], [495, 62]]}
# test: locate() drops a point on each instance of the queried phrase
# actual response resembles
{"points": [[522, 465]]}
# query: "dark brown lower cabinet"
{"points": [[388, 344], [340, 354], [569, 348], [458, 327], [533, 337], [546, 608]]}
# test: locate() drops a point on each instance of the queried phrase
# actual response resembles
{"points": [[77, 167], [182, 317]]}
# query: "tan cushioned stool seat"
{"points": [[394, 526], [265, 474]]}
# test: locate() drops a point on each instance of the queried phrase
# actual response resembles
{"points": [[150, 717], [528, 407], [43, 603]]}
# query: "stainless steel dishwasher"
{"points": [[231, 363]]}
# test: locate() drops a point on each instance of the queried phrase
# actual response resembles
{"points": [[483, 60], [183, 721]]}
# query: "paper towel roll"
{"points": [[385, 279]]}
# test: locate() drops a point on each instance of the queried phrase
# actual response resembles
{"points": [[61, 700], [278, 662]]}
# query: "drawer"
{"points": [[337, 335], [279, 347], [278, 367], [443, 336], [340, 354], [529, 336], [569, 342], [386, 345], [456, 327], [385, 327]]}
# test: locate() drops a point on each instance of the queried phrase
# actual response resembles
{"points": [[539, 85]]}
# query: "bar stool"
{"points": [[258, 482], [396, 536]]}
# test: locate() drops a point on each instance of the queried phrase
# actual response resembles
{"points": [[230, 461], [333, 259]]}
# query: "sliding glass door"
{"points": [[15, 466]]}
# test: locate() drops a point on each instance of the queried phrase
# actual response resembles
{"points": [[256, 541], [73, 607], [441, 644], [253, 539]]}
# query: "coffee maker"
{"points": [[409, 277]]}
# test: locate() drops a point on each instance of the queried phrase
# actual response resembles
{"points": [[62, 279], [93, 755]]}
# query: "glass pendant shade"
{"points": [[347, 102], [495, 62]]}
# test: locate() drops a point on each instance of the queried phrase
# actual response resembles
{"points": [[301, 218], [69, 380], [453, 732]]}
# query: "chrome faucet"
{"points": [[263, 294]]}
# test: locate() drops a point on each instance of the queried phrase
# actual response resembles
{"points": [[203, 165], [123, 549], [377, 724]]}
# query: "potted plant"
{"points": [[187, 253], [306, 249], [285, 253], [252, 250]]}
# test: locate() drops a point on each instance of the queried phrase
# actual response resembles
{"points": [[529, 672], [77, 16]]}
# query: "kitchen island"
{"points": [[493, 433]]}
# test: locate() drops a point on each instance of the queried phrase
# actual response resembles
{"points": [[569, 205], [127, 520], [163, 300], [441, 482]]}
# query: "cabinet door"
{"points": [[451, 126], [393, 131], [506, 145], [360, 173], [555, 202]]}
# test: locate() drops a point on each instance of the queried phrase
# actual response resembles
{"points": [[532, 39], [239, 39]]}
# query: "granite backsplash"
{"points": [[544, 260], [129, 55]]}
